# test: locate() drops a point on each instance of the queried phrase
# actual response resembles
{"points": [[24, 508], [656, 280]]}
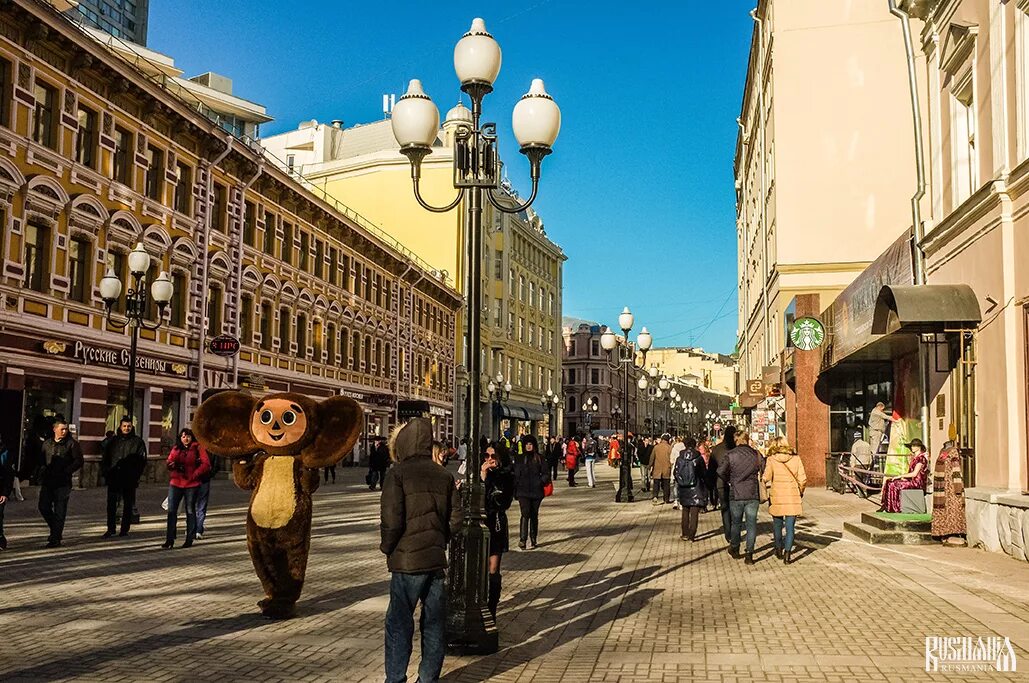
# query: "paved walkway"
{"points": [[612, 594]]}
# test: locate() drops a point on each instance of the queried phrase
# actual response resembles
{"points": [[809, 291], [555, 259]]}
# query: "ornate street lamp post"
{"points": [[549, 402], [498, 393], [536, 121], [161, 290], [627, 356], [588, 409]]}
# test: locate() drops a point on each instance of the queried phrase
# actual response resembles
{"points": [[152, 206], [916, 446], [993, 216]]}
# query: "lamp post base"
{"points": [[470, 627], [624, 493]]}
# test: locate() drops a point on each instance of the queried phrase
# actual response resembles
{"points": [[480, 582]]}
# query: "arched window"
{"points": [[367, 354], [573, 404], [246, 319], [344, 348], [283, 330], [387, 359], [330, 344], [355, 351], [302, 336], [380, 366], [266, 326], [316, 340]]}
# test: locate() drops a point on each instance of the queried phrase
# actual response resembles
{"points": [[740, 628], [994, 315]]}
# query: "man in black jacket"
{"points": [[122, 465], [740, 468], [62, 457], [378, 463], [6, 486], [421, 511]]}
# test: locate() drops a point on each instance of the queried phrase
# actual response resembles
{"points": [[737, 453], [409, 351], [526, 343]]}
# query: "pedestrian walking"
{"points": [[718, 486], [122, 465], [530, 476], [188, 464], [589, 449], [420, 513], [678, 447], [784, 474], [948, 513], [740, 468], [553, 456], [644, 450], [572, 460], [498, 478], [690, 474], [329, 471], [378, 463], [62, 457], [614, 451], [7, 478], [204, 495], [661, 470]]}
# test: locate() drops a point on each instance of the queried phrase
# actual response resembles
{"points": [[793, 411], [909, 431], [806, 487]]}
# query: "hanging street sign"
{"points": [[224, 345]]}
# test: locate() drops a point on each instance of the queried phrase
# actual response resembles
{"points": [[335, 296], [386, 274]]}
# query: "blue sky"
{"points": [[639, 189]]}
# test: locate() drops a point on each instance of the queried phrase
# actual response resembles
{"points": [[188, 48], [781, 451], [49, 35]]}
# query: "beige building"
{"points": [[823, 160], [361, 166], [709, 370]]}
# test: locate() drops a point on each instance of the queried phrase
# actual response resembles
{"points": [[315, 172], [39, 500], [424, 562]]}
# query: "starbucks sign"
{"points": [[807, 333]]}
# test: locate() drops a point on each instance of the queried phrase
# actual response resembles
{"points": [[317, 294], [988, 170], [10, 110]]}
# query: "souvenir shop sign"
{"points": [[90, 355]]}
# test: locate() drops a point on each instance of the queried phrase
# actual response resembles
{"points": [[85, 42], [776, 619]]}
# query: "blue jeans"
{"points": [[777, 524], [405, 592], [203, 495], [738, 509], [176, 496]]}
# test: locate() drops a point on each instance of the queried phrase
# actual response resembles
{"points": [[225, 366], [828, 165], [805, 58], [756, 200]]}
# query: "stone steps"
{"points": [[881, 530]]}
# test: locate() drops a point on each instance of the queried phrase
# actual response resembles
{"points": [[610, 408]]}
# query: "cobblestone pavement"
{"points": [[612, 594]]}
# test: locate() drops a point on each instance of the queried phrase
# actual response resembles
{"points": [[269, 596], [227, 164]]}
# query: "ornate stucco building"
{"points": [[100, 154]]}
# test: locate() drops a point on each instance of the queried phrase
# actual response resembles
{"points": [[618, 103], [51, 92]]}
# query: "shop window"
{"points": [[79, 251], [46, 401], [117, 400], [215, 305], [302, 336], [246, 319], [184, 189], [5, 92], [85, 142], [266, 326], [283, 330], [122, 170], [44, 119], [37, 246], [249, 224], [220, 208], [154, 185], [171, 407], [180, 299]]}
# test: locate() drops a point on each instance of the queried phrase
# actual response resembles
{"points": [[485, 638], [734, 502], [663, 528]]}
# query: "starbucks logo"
{"points": [[807, 333]]}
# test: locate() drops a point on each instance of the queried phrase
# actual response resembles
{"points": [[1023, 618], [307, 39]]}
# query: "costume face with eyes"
{"points": [[278, 423]]}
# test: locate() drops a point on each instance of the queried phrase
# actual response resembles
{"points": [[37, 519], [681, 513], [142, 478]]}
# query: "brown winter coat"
{"points": [[661, 461], [785, 476]]}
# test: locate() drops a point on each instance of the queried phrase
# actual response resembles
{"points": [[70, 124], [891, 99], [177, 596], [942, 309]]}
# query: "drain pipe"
{"points": [[239, 266], [917, 229], [206, 275]]}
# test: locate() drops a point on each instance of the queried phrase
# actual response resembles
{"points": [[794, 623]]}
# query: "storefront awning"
{"points": [[923, 309], [517, 412]]}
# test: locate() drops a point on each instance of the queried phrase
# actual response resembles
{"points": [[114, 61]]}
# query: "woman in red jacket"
{"points": [[188, 464], [572, 460]]}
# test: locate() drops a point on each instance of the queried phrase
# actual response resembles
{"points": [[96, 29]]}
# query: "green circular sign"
{"points": [[807, 333]]}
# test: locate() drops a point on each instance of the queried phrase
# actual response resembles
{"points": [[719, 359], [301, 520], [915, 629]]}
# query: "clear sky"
{"points": [[639, 190]]}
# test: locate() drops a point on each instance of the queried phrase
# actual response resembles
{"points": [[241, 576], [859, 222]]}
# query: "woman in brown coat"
{"points": [[784, 475]]}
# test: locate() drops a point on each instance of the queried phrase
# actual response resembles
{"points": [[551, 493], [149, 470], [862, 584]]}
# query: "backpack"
{"points": [[591, 447], [685, 471]]}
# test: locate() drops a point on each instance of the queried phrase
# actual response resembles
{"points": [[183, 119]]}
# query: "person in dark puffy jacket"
{"points": [[690, 475], [122, 465], [61, 458], [420, 512], [530, 475], [740, 469], [188, 465]]}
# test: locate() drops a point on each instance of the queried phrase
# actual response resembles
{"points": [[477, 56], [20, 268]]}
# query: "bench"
{"points": [[912, 501]]}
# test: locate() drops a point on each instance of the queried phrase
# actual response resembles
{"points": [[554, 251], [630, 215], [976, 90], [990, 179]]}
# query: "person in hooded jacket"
{"points": [[690, 474], [784, 474], [498, 477], [122, 465], [188, 466], [420, 513], [530, 476]]}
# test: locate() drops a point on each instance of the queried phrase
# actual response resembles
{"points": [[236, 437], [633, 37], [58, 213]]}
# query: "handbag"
{"points": [[548, 489]]}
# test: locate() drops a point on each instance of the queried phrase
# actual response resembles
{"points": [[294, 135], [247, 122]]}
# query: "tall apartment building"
{"points": [[126, 19], [823, 169], [362, 167], [100, 158]]}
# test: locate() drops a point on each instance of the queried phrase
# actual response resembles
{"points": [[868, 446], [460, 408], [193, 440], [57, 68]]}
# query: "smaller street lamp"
{"points": [[588, 409], [549, 402], [499, 391]]}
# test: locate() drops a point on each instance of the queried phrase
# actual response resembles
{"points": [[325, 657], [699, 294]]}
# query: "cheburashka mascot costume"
{"points": [[278, 444]]}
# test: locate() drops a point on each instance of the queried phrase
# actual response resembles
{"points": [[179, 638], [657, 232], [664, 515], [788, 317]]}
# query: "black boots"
{"points": [[778, 553], [493, 598], [785, 558], [734, 552], [749, 560]]}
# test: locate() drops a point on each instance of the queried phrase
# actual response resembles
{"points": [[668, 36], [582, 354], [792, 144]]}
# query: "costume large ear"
{"points": [[340, 421], [222, 424]]}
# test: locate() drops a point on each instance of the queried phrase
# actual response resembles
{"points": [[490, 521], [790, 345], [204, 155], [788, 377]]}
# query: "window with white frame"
{"points": [[1022, 74], [964, 164]]}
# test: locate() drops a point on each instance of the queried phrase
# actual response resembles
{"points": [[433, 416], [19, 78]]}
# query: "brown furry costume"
{"points": [[284, 440]]}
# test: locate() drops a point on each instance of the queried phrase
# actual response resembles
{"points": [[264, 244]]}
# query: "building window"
{"points": [[246, 320], [330, 344], [594, 376], [366, 355], [498, 312], [521, 288], [266, 326], [965, 164], [37, 244], [249, 224], [511, 282], [85, 143], [283, 330], [116, 263], [498, 265], [155, 173], [269, 233], [44, 120], [332, 274], [302, 336], [305, 246], [344, 348], [287, 243], [179, 302], [532, 294], [571, 375], [220, 208], [123, 156], [183, 188], [5, 92], [319, 259], [79, 251], [214, 311], [594, 348]]}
